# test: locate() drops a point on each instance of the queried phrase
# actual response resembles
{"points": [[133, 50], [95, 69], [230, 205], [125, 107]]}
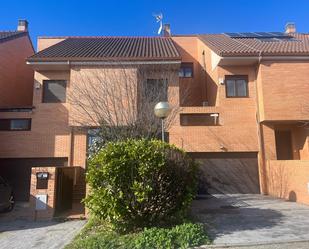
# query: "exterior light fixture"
{"points": [[216, 116], [37, 85], [221, 81], [161, 110]]}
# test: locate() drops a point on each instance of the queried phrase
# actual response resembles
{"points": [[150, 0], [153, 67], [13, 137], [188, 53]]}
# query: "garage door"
{"points": [[18, 173], [229, 173]]}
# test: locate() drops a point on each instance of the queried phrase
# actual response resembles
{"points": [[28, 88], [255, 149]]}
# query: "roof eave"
{"points": [[255, 59], [83, 59], [264, 55], [65, 64]]}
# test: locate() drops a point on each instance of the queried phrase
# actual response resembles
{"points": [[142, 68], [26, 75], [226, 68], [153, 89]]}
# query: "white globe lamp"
{"points": [[161, 110]]}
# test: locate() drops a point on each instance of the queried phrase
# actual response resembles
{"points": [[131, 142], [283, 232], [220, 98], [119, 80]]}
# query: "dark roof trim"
{"points": [[17, 109], [15, 35], [12, 35]]}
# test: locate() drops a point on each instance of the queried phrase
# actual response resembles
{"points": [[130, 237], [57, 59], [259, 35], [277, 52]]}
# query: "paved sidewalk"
{"points": [[22, 234], [246, 219]]}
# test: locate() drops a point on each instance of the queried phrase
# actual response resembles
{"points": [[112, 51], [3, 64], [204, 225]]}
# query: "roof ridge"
{"points": [[67, 37]]}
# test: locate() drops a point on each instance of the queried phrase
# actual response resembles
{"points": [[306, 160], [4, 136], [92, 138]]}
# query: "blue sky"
{"points": [[132, 17]]}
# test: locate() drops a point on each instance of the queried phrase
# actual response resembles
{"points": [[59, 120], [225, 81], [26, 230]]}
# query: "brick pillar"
{"points": [[49, 192], [267, 152], [79, 148]]}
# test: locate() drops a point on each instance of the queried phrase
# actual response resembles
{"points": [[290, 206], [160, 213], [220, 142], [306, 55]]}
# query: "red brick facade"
{"points": [[16, 78], [243, 140]]}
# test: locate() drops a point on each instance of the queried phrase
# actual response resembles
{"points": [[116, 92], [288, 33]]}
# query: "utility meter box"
{"points": [[41, 202]]}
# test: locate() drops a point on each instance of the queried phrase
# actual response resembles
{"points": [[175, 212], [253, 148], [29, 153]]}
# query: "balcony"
{"points": [[200, 109]]}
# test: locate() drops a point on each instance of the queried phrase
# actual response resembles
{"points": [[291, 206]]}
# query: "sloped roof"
{"points": [[109, 48], [224, 45], [9, 35]]}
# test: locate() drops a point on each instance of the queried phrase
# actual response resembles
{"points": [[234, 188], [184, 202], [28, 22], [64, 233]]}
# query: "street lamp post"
{"points": [[161, 110]]}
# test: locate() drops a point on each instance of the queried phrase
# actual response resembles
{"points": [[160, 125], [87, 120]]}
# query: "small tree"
{"points": [[119, 100], [140, 183]]}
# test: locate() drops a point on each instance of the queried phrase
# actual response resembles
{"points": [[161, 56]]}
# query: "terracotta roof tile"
{"points": [[224, 45], [110, 48]]}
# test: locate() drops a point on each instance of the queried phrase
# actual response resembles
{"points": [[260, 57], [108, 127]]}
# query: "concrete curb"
{"points": [[251, 244]]}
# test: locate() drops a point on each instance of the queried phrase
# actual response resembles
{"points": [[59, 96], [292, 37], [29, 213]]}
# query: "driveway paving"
{"points": [[23, 234], [251, 219]]}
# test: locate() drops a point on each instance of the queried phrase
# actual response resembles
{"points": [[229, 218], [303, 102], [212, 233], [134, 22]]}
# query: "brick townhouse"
{"points": [[243, 99], [257, 84], [16, 80]]}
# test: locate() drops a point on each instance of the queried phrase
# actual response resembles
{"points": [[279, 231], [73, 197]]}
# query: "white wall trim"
{"points": [[286, 58]]}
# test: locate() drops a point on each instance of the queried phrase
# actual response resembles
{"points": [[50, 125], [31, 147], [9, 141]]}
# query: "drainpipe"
{"points": [[71, 147]]}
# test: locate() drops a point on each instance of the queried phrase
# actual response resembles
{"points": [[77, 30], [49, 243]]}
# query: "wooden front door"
{"points": [[284, 148], [64, 194]]}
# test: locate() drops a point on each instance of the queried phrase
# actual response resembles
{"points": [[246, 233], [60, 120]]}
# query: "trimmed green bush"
{"points": [[140, 183]]}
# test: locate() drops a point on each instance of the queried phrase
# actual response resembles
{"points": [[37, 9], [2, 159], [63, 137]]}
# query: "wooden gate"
{"points": [[64, 189]]}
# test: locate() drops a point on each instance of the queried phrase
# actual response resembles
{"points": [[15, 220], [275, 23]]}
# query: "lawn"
{"points": [[99, 235]]}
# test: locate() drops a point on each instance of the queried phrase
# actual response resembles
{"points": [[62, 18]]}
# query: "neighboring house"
{"points": [[16, 78], [16, 87], [242, 116]]}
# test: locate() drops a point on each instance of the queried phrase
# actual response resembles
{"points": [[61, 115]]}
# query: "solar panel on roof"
{"points": [[234, 35], [258, 35], [264, 34], [249, 35], [268, 39], [280, 34]]}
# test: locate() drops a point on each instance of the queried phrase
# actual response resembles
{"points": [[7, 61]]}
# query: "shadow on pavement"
{"points": [[21, 224], [223, 216]]}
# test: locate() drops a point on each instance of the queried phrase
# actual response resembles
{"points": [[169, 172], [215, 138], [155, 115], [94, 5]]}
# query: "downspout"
{"points": [[262, 159], [72, 133], [205, 92], [72, 147]]}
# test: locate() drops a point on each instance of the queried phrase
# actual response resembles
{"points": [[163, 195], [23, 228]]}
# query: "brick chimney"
{"points": [[22, 25], [167, 30], [290, 28]]}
